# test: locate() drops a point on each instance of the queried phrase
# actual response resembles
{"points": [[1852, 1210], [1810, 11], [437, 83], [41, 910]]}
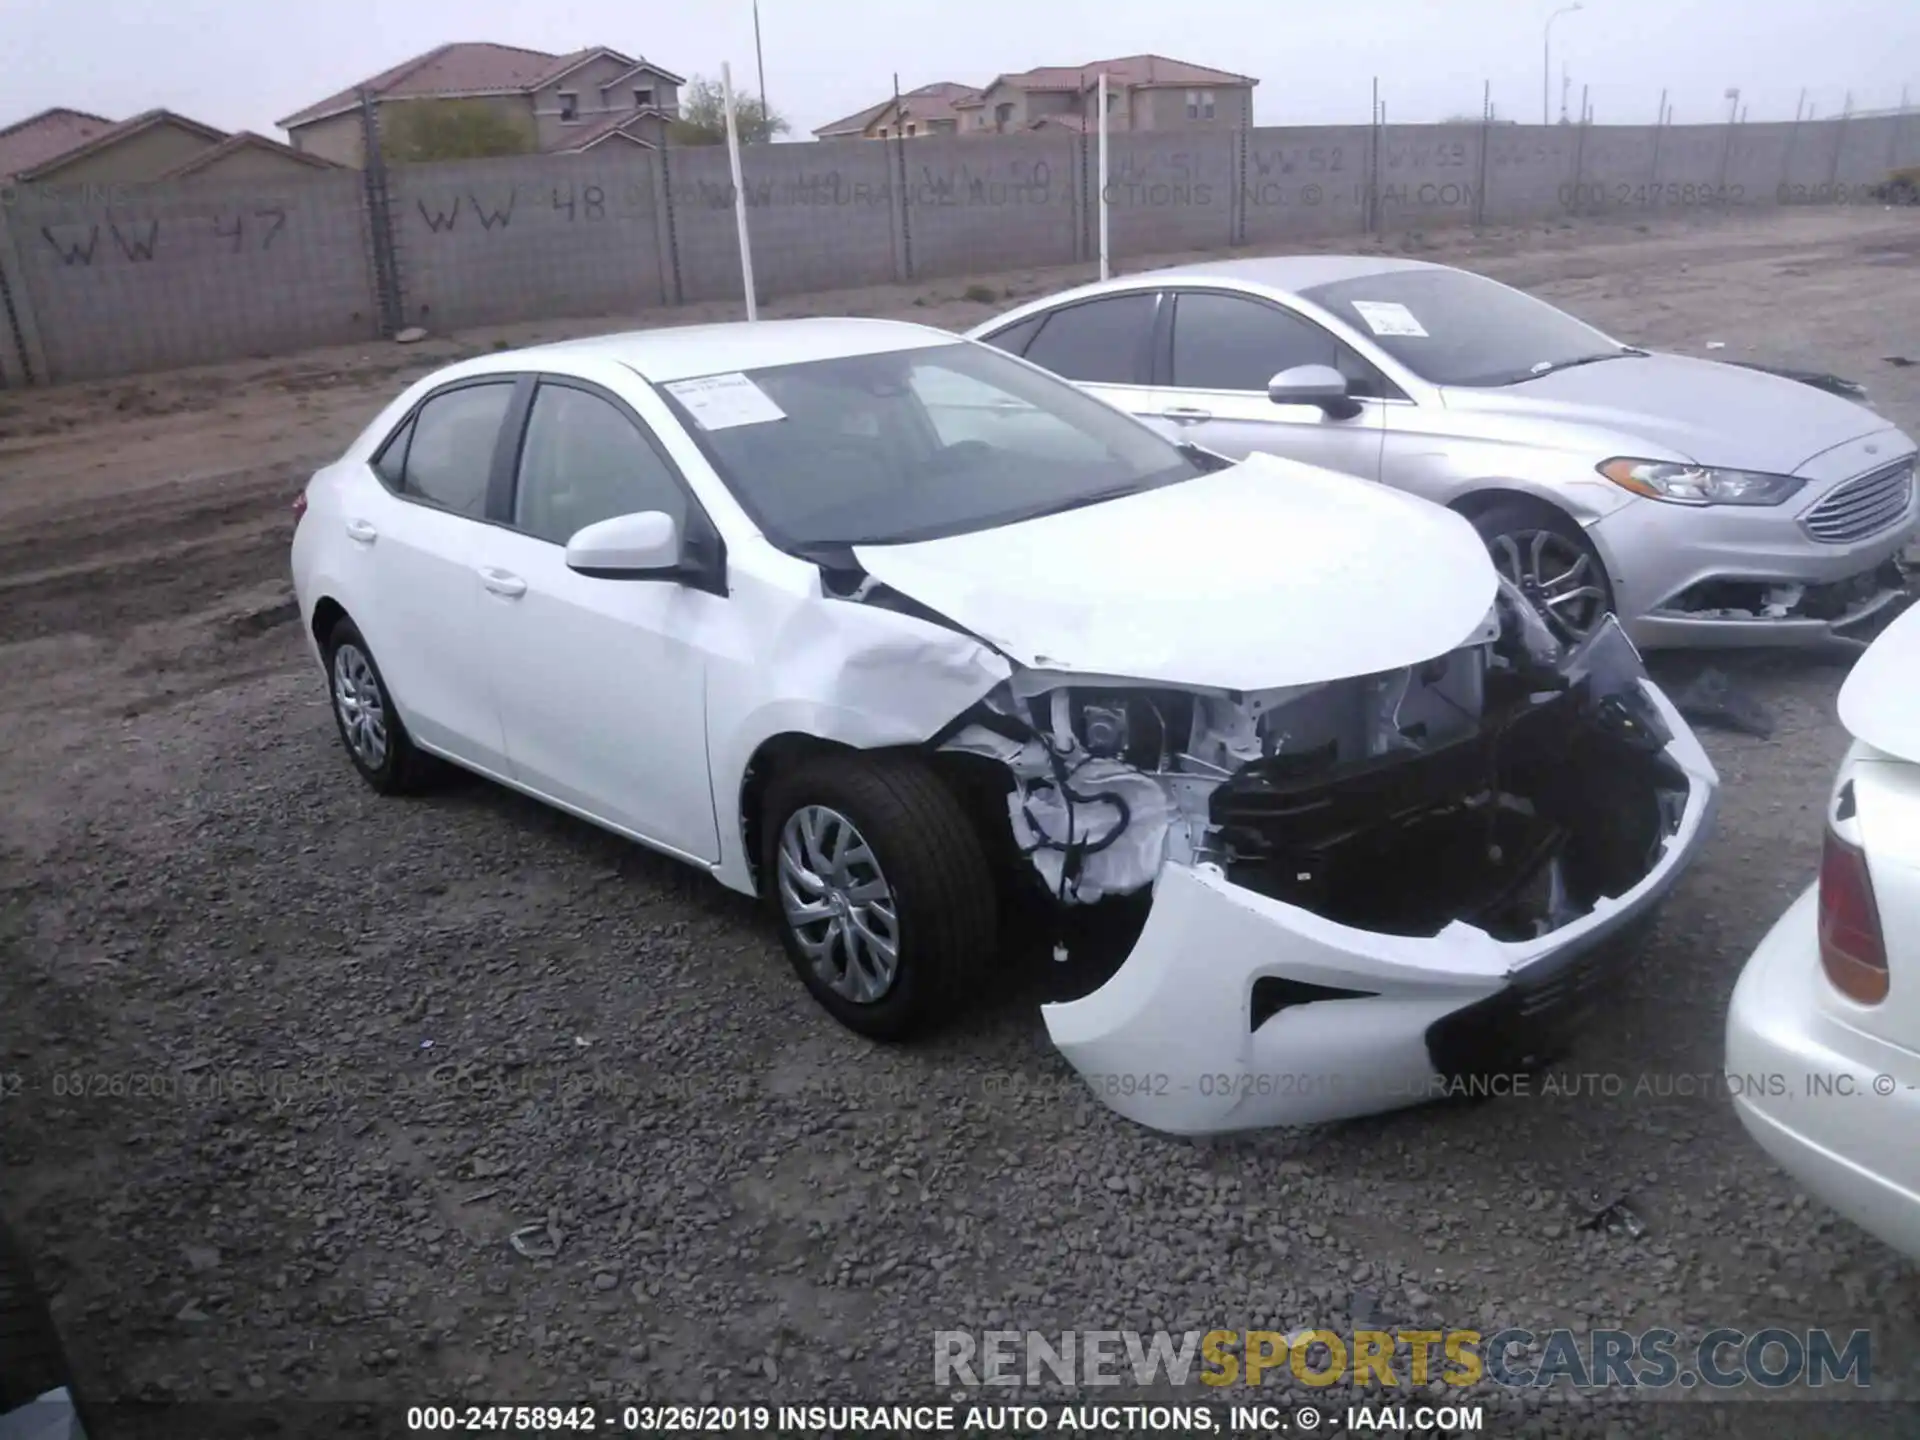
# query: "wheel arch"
{"points": [[981, 786], [772, 756], [1484, 497], [327, 613]]}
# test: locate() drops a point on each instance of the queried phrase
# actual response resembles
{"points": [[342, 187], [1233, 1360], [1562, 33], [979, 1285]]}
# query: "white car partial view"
{"points": [[885, 626], [1823, 1035]]}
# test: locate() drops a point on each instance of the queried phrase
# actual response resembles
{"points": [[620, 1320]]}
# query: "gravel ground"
{"points": [[283, 1065]]}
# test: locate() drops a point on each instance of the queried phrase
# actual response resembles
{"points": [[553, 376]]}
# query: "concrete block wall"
{"points": [[482, 242], [124, 279], [112, 280], [994, 203], [1531, 171], [1427, 175], [820, 218], [18, 364], [1170, 191], [1300, 183]]}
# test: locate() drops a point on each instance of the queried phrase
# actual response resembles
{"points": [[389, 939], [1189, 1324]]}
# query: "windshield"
{"points": [[1453, 328], [914, 445]]}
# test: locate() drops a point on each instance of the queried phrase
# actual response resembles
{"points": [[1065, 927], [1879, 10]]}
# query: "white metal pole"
{"points": [[1102, 104], [739, 190]]}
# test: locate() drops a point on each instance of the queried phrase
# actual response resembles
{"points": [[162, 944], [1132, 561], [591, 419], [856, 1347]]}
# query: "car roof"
{"points": [[1292, 273], [681, 352]]}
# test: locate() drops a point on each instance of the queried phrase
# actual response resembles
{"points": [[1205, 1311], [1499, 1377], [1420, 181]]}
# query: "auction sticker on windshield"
{"points": [[720, 402], [1388, 317]]}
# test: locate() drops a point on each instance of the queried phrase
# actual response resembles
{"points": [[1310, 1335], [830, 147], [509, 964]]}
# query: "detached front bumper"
{"points": [[1350, 1022]]}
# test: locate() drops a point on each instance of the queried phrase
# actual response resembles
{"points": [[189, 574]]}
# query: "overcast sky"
{"points": [[243, 64]]}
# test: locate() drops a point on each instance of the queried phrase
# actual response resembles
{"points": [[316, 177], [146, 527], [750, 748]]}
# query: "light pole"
{"points": [[1546, 60], [760, 65]]}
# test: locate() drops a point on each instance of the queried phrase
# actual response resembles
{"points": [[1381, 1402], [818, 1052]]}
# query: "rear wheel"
{"points": [[881, 889], [1550, 559], [370, 727]]}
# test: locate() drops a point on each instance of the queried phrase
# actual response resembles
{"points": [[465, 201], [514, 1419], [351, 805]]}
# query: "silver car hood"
{"points": [[1680, 407]]}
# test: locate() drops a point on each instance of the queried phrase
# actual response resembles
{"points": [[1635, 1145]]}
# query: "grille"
{"points": [[1864, 506]]}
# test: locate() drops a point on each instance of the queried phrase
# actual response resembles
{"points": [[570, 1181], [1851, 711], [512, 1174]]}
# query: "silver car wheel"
{"points": [[838, 904], [363, 715], [1558, 575]]}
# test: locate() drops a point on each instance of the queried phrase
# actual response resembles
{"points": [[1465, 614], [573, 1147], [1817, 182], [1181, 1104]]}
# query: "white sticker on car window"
{"points": [[1388, 317], [720, 402]]}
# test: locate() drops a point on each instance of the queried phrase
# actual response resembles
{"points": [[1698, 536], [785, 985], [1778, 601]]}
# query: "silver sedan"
{"points": [[1705, 503]]}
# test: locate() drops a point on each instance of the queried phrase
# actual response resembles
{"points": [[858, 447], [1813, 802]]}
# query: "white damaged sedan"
{"points": [[886, 627]]}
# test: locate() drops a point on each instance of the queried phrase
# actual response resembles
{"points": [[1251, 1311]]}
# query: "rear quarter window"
{"points": [[390, 462], [1016, 337]]}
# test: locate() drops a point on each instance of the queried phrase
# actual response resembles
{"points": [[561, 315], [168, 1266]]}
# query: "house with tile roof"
{"points": [[565, 103], [61, 146], [928, 110], [1144, 92]]}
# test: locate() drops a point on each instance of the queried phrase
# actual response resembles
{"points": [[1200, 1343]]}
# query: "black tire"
{"points": [[402, 767], [928, 855], [1509, 528], [32, 1360]]}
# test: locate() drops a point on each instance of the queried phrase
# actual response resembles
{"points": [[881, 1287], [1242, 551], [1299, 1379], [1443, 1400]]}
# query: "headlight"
{"points": [[1698, 484]]}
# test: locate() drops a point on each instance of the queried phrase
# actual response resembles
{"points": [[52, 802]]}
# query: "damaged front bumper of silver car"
{"points": [[1362, 892]]}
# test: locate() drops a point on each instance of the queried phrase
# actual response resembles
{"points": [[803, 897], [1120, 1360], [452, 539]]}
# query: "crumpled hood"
{"points": [[1267, 574], [1880, 700], [1712, 414]]}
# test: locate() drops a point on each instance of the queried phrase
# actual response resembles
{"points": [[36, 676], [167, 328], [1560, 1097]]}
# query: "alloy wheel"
{"points": [[838, 904], [1558, 575], [363, 714]]}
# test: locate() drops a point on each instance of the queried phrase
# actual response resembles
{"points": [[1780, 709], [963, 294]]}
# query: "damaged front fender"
{"points": [[863, 676]]}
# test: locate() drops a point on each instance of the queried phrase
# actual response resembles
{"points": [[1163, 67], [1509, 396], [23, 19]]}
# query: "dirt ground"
{"points": [[282, 1064]]}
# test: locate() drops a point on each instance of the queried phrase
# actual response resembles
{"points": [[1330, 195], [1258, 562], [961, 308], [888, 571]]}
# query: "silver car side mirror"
{"points": [[1320, 385]]}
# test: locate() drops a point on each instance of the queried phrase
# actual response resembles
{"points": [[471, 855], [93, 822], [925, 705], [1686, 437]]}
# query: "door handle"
{"points": [[501, 583], [362, 531], [1186, 414]]}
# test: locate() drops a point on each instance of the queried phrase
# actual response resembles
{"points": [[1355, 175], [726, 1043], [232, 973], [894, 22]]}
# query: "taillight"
{"points": [[1853, 950], [299, 506]]}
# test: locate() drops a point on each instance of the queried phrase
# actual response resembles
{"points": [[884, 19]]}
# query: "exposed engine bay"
{"points": [[1509, 784]]}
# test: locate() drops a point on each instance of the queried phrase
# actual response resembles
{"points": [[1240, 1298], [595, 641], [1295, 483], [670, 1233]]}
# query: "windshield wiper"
{"points": [[1081, 502], [1546, 367]]}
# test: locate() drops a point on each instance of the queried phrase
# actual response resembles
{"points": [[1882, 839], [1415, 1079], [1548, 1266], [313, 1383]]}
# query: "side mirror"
{"points": [[1319, 385], [645, 546]]}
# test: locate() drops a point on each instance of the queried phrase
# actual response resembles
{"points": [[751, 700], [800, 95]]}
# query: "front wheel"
{"points": [[1552, 562], [881, 889]]}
